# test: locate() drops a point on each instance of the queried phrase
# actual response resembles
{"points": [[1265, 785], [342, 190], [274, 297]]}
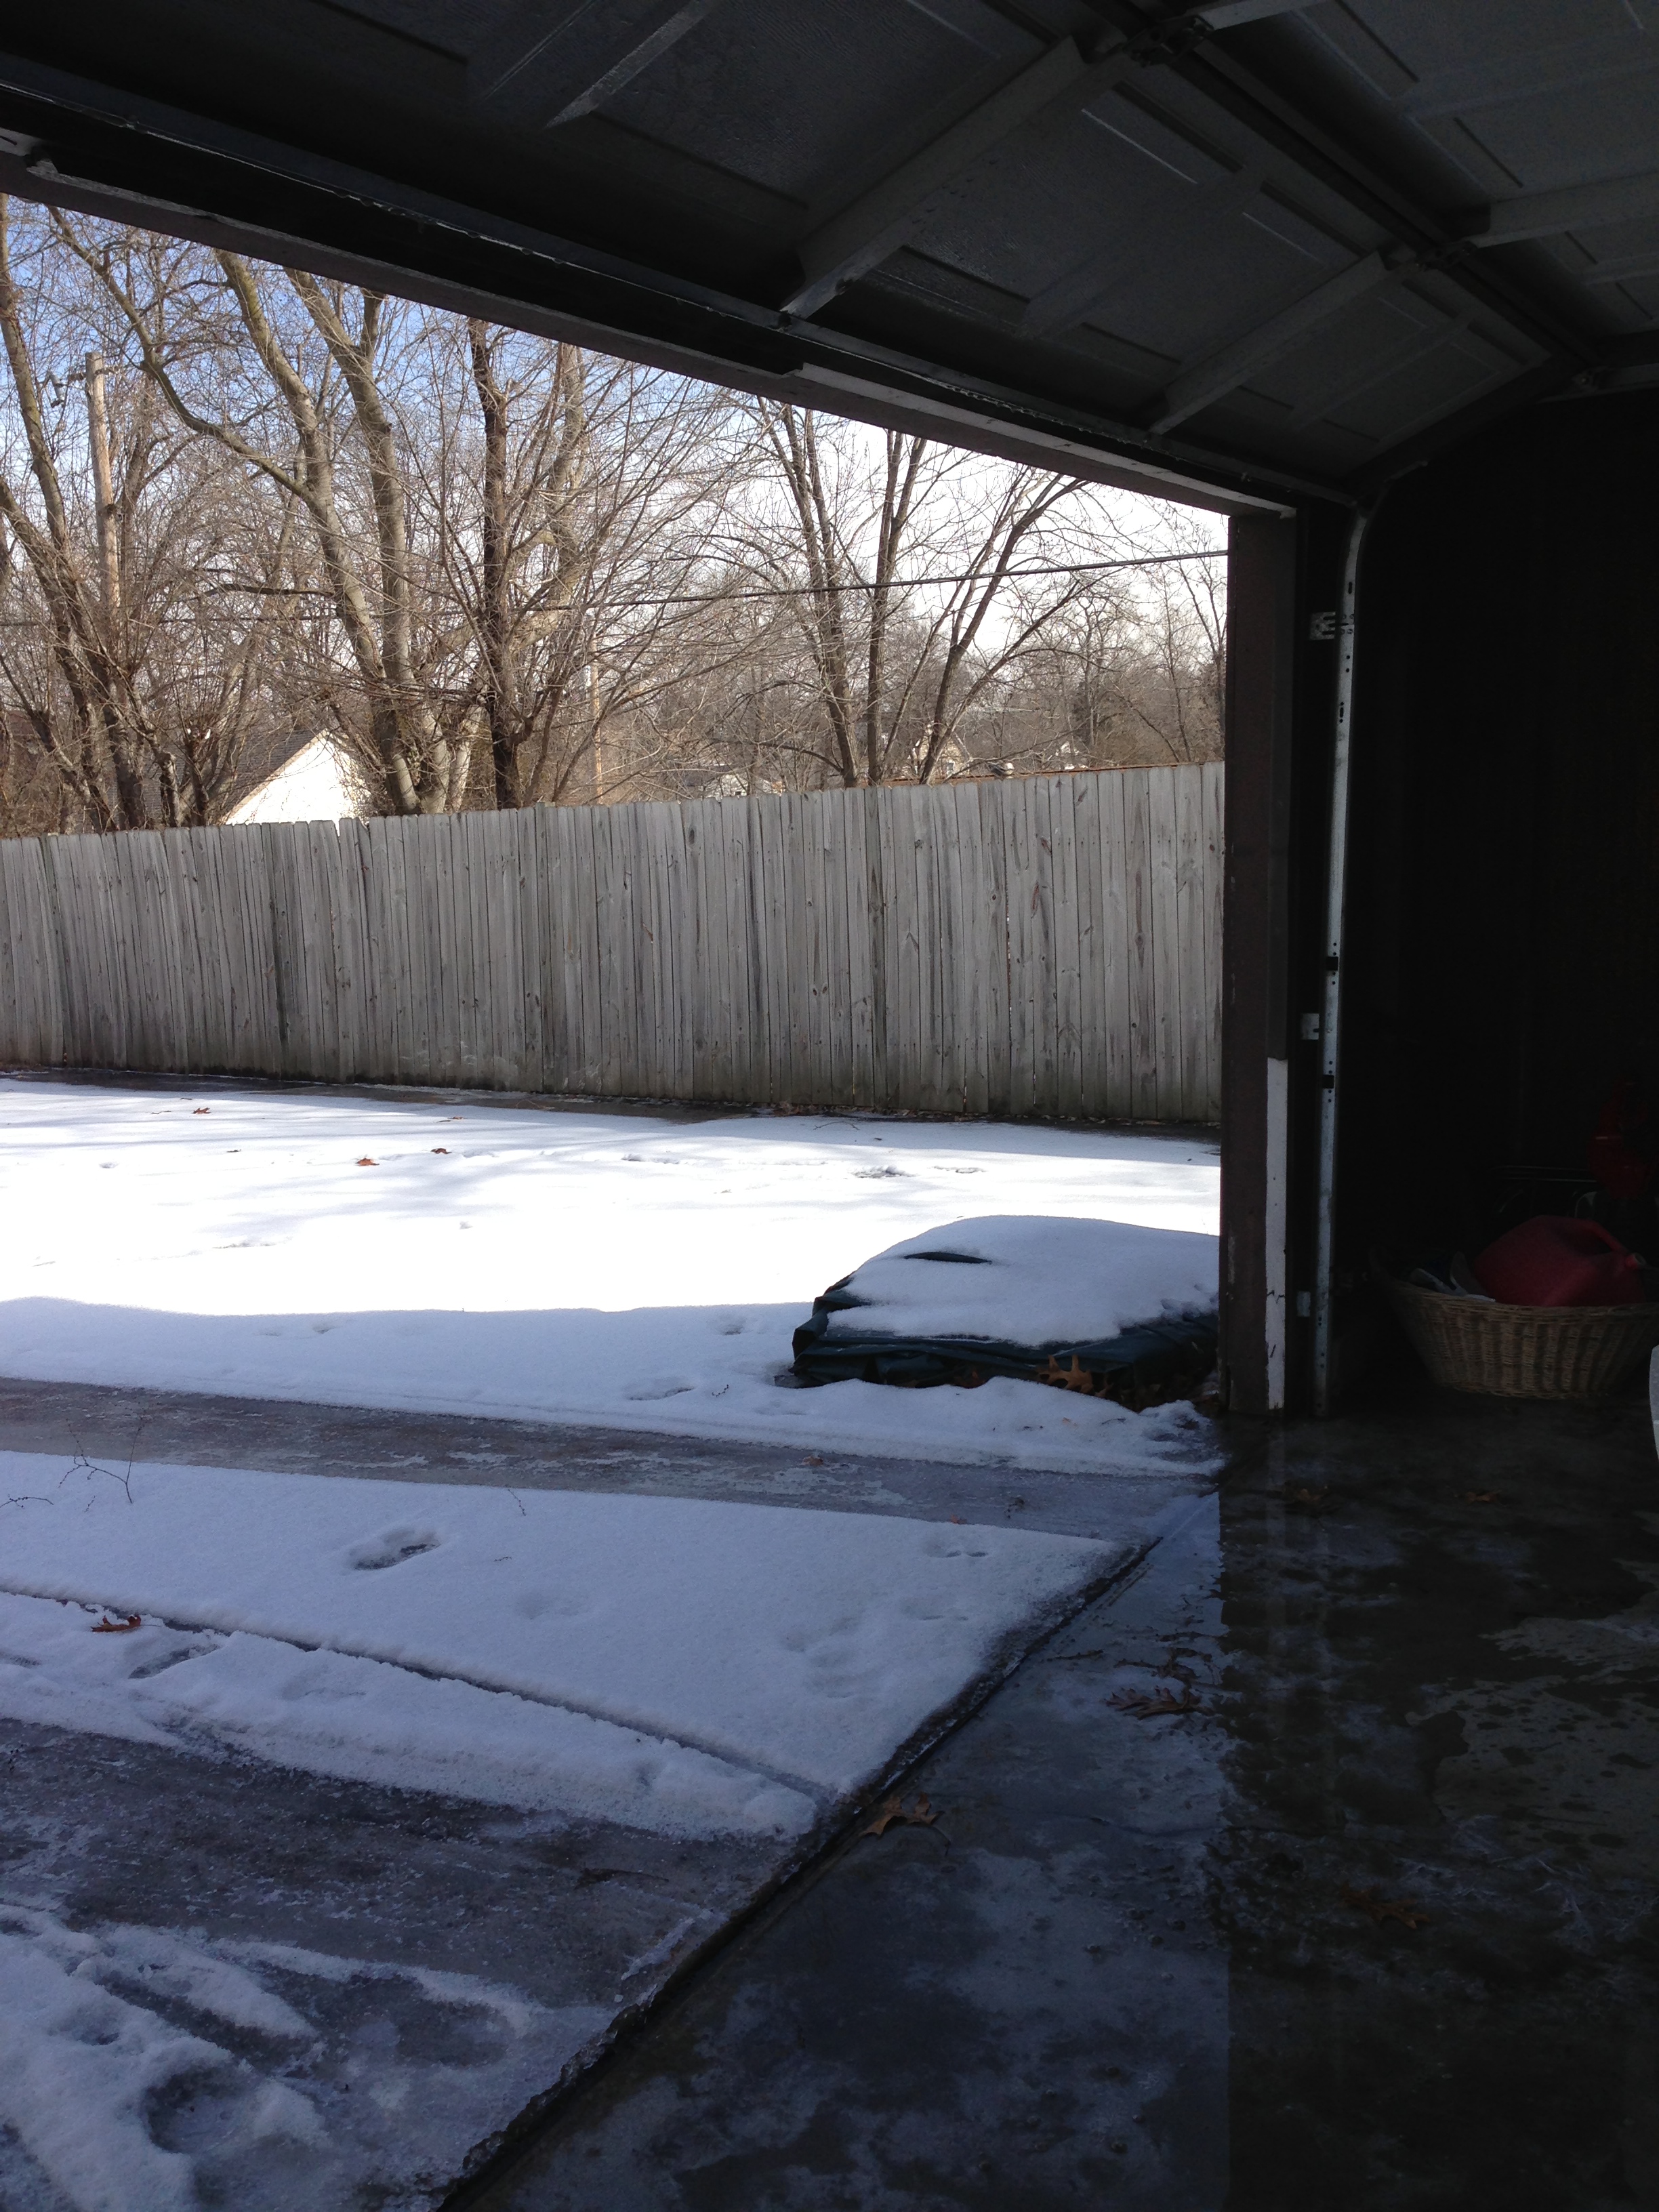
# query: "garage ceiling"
{"points": [[1257, 251]]}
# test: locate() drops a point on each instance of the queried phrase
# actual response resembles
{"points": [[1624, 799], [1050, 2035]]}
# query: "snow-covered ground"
{"points": [[676, 1663], [108, 2105], [726, 1677], [610, 1269]]}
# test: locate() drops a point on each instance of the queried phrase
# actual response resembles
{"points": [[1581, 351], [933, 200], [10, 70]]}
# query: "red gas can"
{"points": [[1554, 1260]]}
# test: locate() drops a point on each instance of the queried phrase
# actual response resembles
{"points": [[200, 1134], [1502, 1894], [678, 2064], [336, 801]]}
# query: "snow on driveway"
{"points": [[617, 1270], [108, 2103], [676, 1663]]}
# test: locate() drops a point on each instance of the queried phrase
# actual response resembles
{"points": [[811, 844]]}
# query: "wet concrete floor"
{"points": [[1372, 1925]]}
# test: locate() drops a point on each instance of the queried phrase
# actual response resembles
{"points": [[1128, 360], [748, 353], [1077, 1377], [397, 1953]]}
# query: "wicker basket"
{"points": [[1522, 1352]]}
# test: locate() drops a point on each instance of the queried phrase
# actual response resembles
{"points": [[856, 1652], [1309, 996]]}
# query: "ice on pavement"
{"points": [[680, 1663], [620, 1270]]}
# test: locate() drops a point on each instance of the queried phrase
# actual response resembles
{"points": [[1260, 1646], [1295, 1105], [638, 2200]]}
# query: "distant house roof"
{"points": [[313, 780]]}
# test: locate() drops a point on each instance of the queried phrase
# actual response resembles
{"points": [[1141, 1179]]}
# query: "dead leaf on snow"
{"points": [[436, 1148], [366, 1163], [1154, 1705], [108, 1627], [202, 1110], [1380, 1908], [890, 1810], [1074, 1376]]}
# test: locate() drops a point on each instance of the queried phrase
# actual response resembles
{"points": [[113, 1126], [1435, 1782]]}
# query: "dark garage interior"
{"points": [[1377, 282], [1503, 965]]}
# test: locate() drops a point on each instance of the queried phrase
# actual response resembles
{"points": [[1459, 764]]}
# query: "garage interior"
{"points": [[1377, 280]]}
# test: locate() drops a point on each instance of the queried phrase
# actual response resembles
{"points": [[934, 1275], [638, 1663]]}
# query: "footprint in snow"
{"points": [[392, 1548]]}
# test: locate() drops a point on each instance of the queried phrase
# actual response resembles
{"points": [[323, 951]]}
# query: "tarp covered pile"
{"points": [[1101, 1307]]}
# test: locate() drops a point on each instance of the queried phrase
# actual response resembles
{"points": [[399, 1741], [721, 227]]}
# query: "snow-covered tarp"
{"points": [[1098, 1306], [605, 1268], [678, 1664]]}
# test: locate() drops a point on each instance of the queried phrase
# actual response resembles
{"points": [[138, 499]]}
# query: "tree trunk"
{"points": [[492, 613], [103, 481]]}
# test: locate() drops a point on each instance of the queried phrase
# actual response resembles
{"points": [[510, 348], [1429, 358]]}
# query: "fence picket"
{"points": [[1215, 791], [1137, 944], [975, 946], [1114, 961], [1191, 1003], [1028, 961], [1066, 927], [1163, 840]]}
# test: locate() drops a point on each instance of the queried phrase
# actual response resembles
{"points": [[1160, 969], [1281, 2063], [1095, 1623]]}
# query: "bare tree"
{"points": [[1187, 623], [115, 514], [575, 527], [839, 600], [917, 578], [960, 665], [240, 505], [415, 761], [101, 753], [1130, 672]]}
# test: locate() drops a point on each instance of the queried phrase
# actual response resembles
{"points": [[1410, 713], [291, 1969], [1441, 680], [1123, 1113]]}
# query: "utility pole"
{"points": [[104, 485]]}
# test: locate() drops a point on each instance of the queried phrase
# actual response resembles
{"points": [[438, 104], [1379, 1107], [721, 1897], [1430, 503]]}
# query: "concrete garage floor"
{"points": [[1141, 1959], [1152, 1963]]}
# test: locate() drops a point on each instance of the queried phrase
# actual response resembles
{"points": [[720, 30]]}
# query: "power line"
{"points": [[798, 591], [912, 583]]}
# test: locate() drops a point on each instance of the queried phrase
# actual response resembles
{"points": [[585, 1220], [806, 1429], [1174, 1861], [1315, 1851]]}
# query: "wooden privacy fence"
{"points": [[1047, 945]]}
